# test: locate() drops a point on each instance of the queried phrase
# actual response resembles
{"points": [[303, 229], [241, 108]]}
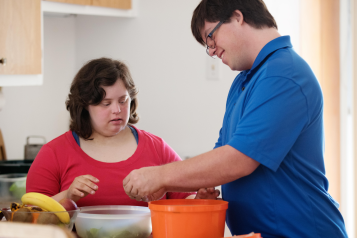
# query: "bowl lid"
{"points": [[113, 212], [12, 177]]}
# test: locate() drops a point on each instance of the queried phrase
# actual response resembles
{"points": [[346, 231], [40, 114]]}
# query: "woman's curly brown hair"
{"points": [[86, 89]]}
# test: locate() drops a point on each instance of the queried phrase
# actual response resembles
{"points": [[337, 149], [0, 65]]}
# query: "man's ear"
{"points": [[238, 17]]}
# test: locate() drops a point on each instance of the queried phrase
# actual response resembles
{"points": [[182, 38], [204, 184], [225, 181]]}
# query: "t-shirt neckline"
{"points": [[132, 159]]}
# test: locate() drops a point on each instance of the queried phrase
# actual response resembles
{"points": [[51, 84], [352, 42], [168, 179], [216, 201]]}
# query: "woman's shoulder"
{"points": [[148, 136], [62, 140], [156, 143], [55, 149]]}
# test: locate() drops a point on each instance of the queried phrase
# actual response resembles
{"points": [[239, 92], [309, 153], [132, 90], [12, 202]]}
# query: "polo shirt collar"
{"points": [[274, 45]]}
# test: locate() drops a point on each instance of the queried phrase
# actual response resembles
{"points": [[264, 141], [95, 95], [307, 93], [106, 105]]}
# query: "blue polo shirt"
{"points": [[274, 115]]}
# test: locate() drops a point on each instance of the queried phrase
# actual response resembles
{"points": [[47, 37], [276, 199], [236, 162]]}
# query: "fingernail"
{"points": [[97, 180], [82, 194], [95, 187], [92, 192]]}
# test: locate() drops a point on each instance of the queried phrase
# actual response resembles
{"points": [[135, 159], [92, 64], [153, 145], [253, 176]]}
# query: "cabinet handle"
{"points": [[3, 61]]}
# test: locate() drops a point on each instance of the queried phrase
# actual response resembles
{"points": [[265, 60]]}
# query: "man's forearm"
{"points": [[214, 168]]}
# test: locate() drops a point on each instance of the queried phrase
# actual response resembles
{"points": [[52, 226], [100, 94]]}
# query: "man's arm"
{"points": [[216, 167]]}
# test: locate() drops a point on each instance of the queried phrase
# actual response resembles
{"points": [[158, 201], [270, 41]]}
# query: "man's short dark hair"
{"points": [[255, 14], [86, 89]]}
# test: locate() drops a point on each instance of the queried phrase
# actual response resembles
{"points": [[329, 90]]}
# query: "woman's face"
{"points": [[112, 114]]}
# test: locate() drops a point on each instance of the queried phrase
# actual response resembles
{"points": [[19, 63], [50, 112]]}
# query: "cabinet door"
{"points": [[20, 41], [80, 2], [121, 4]]}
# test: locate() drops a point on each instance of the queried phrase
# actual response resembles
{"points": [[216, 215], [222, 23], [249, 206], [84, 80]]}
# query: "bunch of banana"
{"points": [[33, 204], [46, 203]]}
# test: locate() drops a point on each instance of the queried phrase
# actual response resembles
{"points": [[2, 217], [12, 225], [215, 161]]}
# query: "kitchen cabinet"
{"points": [[20, 41], [120, 4]]}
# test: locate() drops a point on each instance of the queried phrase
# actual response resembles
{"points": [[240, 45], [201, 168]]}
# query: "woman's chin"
{"points": [[117, 130], [111, 132]]}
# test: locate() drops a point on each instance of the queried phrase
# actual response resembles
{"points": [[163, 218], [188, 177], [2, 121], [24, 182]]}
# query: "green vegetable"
{"points": [[18, 189], [93, 233], [126, 234]]}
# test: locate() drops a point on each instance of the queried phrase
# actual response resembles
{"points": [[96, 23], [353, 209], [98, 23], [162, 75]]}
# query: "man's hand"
{"points": [[144, 184]]}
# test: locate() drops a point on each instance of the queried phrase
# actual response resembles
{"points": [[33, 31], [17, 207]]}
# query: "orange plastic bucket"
{"points": [[186, 218]]}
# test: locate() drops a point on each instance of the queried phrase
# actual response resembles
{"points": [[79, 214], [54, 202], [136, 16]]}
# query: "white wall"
{"points": [[177, 101], [287, 17]]}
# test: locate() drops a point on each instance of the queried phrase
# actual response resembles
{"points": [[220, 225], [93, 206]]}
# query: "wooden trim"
{"points": [[66, 8], [354, 95], [330, 77], [320, 48], [310, 38], [121, 4], [79, 2], [2, 148]]}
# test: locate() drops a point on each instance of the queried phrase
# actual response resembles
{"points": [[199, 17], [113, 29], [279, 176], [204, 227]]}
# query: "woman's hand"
{"points": [[207, 193], [82, 186]]}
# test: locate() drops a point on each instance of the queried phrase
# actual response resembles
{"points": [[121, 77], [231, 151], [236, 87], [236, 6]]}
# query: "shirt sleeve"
{"points": [[219, 141], [44, 176], [274, 116]]}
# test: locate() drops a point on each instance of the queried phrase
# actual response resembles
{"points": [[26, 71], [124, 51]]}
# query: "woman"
{"points": [[89, 162]]}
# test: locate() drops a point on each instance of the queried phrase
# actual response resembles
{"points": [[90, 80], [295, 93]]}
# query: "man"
{"points": [[269, 155]]}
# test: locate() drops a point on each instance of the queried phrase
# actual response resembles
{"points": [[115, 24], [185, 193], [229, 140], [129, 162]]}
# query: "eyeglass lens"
{"points": [[210, 44]]}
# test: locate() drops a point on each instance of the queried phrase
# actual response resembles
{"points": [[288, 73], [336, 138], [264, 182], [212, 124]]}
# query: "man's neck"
{"points": [[258, 38]]}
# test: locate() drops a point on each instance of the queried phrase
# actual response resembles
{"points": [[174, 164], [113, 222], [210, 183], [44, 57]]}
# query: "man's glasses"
{"points": [[210, 43]]}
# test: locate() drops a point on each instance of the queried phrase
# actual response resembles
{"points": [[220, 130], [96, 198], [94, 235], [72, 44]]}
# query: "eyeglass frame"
{"points": [[210, 36]]}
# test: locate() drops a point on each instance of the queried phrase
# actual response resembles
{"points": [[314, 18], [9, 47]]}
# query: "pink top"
{"points": [[61, 160]]}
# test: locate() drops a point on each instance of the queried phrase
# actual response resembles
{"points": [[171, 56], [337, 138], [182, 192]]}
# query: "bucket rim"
{"points": [[188, 205]]}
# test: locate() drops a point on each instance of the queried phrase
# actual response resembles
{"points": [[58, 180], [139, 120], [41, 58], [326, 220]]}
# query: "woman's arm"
{"points": [[81, 187], [58, 197], [44, 174]]}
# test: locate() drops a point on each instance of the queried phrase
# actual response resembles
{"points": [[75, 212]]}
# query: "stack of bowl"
{"points": [[113, 221], [12, 187]]}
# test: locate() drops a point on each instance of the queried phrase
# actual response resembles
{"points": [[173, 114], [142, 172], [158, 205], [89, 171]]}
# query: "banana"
{"points": [[46, 203]]}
